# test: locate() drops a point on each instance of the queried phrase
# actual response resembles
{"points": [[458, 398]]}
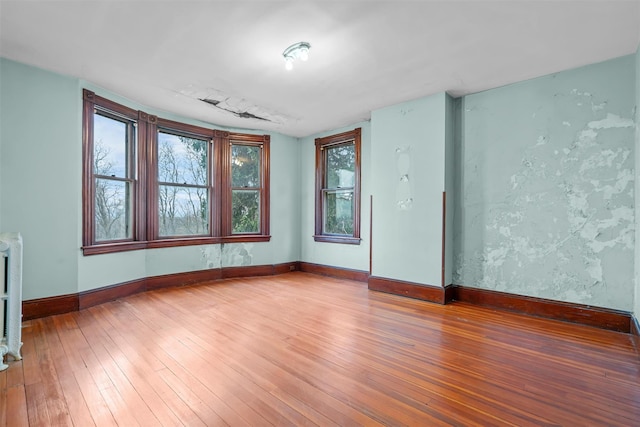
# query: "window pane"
{"points": [[182, 211], [182, 160], [245, 211], [338, 212], [110, 153], [245, 166], [112, 210], [341, 166]]}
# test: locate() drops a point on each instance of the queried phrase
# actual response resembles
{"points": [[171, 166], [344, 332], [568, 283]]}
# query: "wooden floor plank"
{"points": [[75, 402], [305, 350], [17, 415], [3, 398]]}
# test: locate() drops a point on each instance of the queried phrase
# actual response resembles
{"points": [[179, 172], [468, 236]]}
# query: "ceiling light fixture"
{"points": [[298, 50]]}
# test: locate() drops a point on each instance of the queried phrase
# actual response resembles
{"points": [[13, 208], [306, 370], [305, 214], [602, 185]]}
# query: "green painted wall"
{"points": [[40, 186], [40, 174], [408, 149], [334, 254], [546, 194]]}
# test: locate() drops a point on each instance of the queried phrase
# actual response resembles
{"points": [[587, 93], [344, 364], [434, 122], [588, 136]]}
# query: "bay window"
{"points": [[149, 182]]}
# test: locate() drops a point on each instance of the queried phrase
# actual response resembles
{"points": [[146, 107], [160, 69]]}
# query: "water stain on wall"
{"points": [[210, 256], [236, 254]]}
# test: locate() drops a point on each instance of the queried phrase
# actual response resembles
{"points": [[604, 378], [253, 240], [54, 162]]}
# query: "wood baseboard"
{"points": [[110, 293], [182, 279], [599, 317], [341, 273], [603, 318], [635, 326], [257, 270], [42, 307], [408, 289]]}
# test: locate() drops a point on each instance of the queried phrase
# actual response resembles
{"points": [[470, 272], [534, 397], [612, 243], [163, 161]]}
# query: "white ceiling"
{"points": [[365, 54]]}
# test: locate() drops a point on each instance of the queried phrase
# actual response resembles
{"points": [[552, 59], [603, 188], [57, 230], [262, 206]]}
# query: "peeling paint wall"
{"points": [[545, 179]]}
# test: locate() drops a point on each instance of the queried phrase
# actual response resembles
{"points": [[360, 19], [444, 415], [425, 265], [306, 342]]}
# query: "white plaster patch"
{"points": [[625, 156], [236, 254], [574, 295], [625, 177], [611, 121], [542, 140], [593, 267], [496, 257], [514, 182], [586, 138], [603, 158], [404, 192], [210, 256]]}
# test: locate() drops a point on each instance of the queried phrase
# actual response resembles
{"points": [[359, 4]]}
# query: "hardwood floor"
{"points": [[300, 349]]}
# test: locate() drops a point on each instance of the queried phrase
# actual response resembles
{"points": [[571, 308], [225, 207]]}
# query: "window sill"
{"points": [[108, 248], [239, 238], [346, 240]]}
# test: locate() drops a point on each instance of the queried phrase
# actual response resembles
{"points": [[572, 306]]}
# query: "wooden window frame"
{"points": [[91, 103], [262, 141], [321, 144], [145, 227], [213, 171]]}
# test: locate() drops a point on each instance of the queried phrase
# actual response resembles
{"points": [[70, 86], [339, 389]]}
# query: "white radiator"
{"points": [[10, 296]]}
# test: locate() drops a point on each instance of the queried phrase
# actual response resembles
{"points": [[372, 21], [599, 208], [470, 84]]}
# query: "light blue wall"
{"points": [[284, 224], [408, 149], [41, 183], [40, 174], [449, 184], [546, 197], [334, 254], [543, 199], [636, 309]]}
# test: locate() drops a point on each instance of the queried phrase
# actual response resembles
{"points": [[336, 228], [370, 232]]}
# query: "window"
{"points": [[338, 188], [183, 181], [110, 184], [150, 182], [247, 197]]}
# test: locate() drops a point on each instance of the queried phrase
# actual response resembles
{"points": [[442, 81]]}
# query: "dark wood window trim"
{"points": [[353, 136], [91, 103], [144, 202], [263, 142], [183, 129]]}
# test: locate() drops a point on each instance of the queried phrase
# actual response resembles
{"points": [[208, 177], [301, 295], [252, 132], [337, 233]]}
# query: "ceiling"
{"points": [[365, 55]]}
